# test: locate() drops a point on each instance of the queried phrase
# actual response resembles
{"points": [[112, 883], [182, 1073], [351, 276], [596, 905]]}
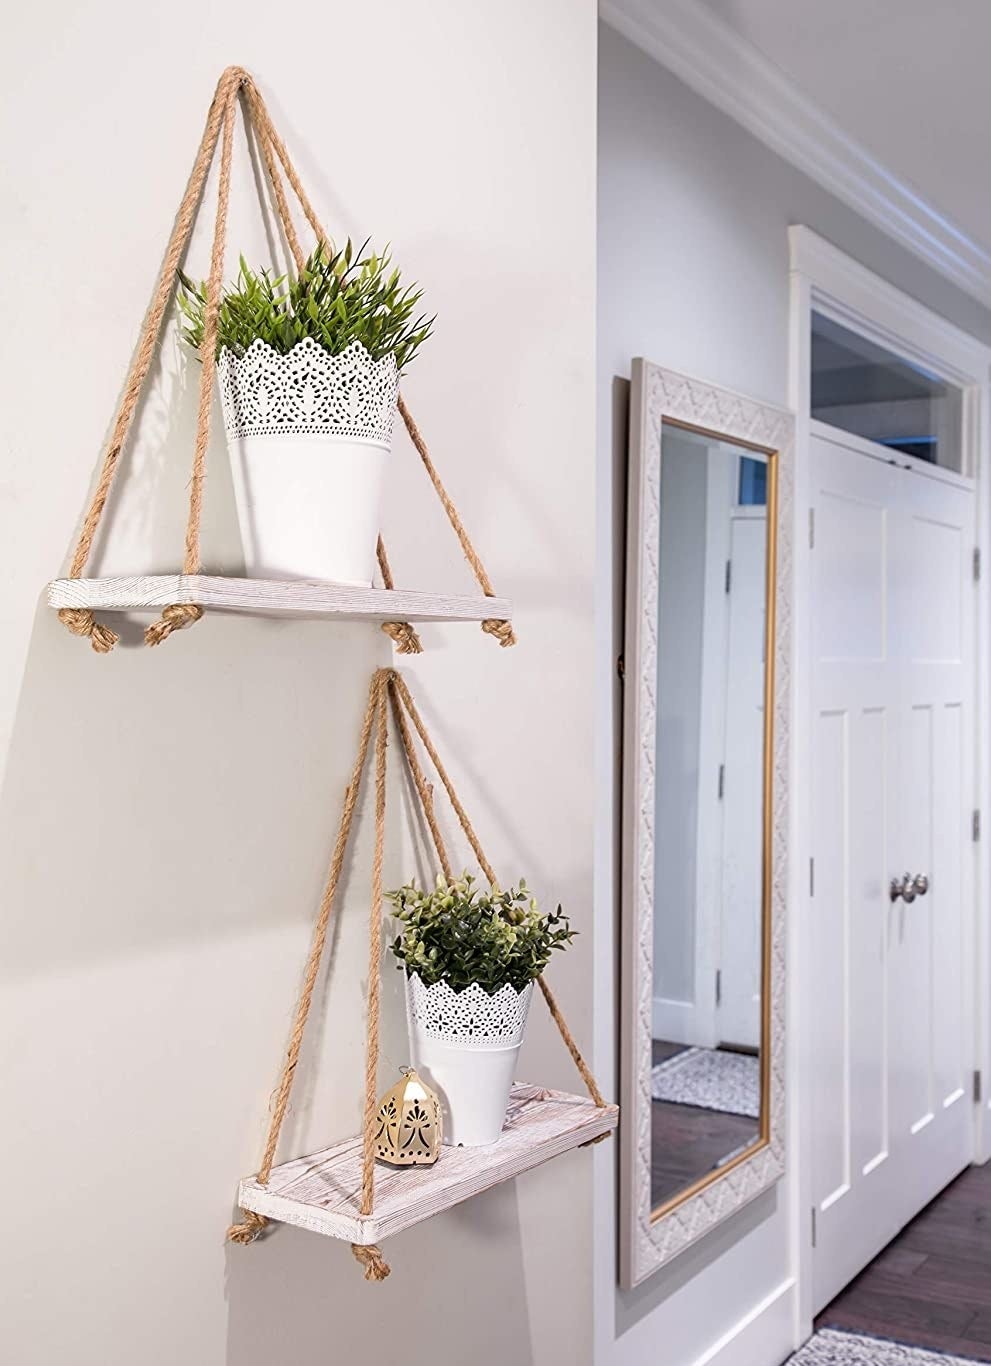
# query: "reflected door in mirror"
{"points": [[710, 912]]}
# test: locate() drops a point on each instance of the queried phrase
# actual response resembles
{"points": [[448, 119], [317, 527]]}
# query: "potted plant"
{"points": [[308, 370], [470, 959]]}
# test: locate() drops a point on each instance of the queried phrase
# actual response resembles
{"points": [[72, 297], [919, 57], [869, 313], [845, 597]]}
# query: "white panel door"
{"points": [[741, 865], [892, 792]]}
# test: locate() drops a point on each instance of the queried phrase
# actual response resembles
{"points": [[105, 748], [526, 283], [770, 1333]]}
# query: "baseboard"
{"points": [[764, 1337], [679, 1022]]}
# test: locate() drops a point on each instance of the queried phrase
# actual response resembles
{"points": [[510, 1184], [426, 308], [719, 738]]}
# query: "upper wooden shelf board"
{"points": [[322, 1193], [279, 597]]}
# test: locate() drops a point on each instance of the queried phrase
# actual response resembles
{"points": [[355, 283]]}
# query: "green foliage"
{"points": [[458, 934], [335, 299]]}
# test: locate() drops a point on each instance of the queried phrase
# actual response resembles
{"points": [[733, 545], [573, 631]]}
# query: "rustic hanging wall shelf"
{"points": [[338, 1191], [182, 598]]}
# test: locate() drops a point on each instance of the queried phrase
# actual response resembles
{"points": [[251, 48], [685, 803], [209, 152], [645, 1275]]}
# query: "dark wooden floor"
{"points": [[931, 1287], [688, 1141]]}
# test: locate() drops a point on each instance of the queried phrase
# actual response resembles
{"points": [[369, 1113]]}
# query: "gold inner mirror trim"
{"points": [[770, 586]]}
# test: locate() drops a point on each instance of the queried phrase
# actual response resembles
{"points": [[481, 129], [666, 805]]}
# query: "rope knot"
{"points": [[370, 1257], [406, 640], [173, 618], [248, 1230], [81, 622], [502, 630]]}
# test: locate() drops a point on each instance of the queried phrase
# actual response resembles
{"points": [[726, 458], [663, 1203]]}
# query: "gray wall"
{"points": [[693, 274]]}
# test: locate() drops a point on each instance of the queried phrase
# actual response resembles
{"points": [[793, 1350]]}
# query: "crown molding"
{"points": [[712, 58]]}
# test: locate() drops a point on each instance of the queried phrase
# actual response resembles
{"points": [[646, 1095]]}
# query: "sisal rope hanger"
{"points": [[220, 127], [386, 685]]}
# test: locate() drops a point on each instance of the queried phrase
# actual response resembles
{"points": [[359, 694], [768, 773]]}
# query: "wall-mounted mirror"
{"points": [[705, 730]]}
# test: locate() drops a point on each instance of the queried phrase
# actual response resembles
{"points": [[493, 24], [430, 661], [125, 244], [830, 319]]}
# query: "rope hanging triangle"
{"points": [[387, 686], [220, 127]]}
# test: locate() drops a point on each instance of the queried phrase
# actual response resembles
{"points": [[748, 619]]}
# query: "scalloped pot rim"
{"points": [[308, 391], [260, 349], [472, 986]]}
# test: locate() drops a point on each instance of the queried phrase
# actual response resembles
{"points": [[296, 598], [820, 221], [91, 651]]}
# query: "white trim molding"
{"points": [[648, 1242], [712, 57]]}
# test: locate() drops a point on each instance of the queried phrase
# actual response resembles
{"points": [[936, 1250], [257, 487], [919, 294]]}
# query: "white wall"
{"points": [[693, 274], [167, 815]]}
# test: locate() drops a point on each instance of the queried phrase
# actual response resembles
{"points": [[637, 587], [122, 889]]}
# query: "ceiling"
{"points": [[907, 79]]}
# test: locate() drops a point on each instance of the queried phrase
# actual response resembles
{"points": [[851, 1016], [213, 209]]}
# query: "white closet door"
{"points": [[738, 1005], [891, 794]]}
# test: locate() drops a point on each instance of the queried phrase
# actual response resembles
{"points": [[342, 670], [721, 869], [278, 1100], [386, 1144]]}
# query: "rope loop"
{"points": [[406, 640], [370, 1257], [502, 630], [81, 622], [248, 1230], [173, 618]]}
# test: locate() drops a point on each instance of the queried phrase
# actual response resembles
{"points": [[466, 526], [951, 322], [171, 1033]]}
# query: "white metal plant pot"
{"points": [[309, 437], [465, 1045]]}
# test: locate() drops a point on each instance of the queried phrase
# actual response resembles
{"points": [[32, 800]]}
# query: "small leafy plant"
{"points": [[457, 933], [336, 299]]}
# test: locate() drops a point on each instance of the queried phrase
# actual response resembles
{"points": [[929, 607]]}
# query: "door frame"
{"points": [[825, 279]]}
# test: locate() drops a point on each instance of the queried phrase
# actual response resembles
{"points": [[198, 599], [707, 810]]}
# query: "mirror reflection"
{"points": [[712, 627]]}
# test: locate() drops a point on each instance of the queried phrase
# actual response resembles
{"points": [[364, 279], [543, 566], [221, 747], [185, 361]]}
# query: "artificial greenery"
{"points": [[458, 934], [335, 299]]}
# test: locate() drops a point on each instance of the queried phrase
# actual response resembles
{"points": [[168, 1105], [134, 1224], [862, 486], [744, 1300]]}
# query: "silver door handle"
{"points": [[904, 888], [921, 884]]}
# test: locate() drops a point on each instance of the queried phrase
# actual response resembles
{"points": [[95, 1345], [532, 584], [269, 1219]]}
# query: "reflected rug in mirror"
{"points": [[830, 1348], [711, 1078]]}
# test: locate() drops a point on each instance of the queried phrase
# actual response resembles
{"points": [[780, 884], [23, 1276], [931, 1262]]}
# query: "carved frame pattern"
{"points": [[646, 1243]]}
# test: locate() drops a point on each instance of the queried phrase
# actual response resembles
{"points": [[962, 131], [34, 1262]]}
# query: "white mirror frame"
{"points": [[648, 1241]]}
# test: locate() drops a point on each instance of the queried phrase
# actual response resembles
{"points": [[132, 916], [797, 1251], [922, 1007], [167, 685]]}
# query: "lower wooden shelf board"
{"points": [[279, 597], [321, 1193]]}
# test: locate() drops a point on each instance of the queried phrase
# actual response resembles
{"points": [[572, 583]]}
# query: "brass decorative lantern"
{"points": [[409, 1124]]}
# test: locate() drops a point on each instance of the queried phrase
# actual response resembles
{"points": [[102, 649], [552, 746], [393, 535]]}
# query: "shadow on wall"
{"points": [[284, 1292], [165, 827]]}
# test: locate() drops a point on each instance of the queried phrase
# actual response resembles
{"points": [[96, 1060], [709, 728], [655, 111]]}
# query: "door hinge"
{"points": [[812, 528], [812, 877], [722, 780], [813, 1225], [977, 1086], [729, 575], [975, 826], [719, 986], [977, 564]]}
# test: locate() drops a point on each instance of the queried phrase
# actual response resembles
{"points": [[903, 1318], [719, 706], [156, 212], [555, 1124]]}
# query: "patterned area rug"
{"points": [[830, 1348], [711, 1078]]}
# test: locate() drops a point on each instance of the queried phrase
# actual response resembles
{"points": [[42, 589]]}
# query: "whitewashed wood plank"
{"points": [[284, 597], [322, 1192]]}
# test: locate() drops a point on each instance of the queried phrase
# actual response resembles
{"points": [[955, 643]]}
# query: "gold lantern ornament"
{"points": [[409, 1124]]}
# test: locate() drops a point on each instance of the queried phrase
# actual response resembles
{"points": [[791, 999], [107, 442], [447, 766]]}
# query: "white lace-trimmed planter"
{"points": [[465, 1044], [309, 436]]}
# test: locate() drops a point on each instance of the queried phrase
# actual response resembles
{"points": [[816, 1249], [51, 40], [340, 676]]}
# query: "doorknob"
{"points": [[905, 888], [921, 884]]}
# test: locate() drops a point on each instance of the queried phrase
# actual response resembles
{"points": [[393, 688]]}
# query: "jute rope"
{"points": [[81, 622], [252, 1223], [493, 626], [398, 685], [406, 640], [370, 1256], [386, 684], [423, 788], [184, 614]]}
